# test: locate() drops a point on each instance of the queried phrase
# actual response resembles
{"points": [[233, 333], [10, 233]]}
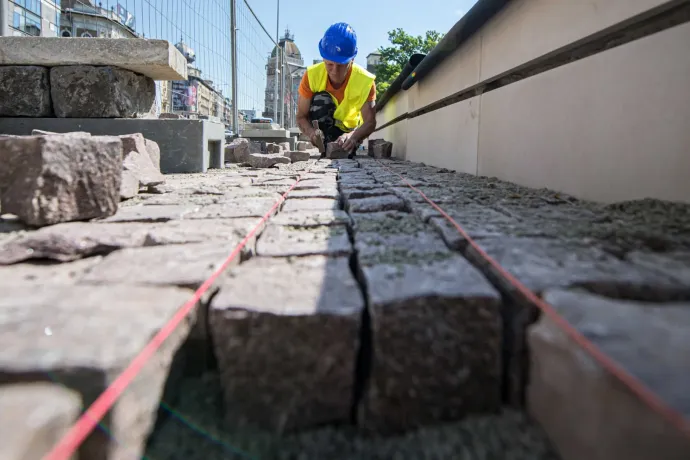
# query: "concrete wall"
{"points": [[612, 126]]}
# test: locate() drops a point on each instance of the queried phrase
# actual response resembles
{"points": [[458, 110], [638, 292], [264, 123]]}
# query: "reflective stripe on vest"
{"points": [[348, 114]]}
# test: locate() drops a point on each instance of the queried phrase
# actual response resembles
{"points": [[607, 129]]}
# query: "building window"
{"points": [[24, 21]]}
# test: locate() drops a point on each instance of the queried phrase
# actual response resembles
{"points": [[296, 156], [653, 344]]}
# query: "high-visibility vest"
{"points": [[348, 114]]}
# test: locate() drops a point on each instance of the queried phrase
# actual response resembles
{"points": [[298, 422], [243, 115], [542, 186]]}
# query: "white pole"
{"points": [[275, 82]]}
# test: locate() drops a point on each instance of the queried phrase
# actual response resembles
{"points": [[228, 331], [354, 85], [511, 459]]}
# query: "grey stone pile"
{"points": [[379, 148]]}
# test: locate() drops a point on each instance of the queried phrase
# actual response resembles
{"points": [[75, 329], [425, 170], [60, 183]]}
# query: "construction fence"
{"points": [[236, 70]]}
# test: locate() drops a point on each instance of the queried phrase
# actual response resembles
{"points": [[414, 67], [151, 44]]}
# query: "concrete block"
{"points": [[50, 179], [121, 319], [186, 146], [25, 92], [587, 412], [264, 126], [287, 348], [266, 134], [100, 92], [157, 59], [34, 417]]}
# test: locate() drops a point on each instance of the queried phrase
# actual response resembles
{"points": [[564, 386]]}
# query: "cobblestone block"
{"points": [[321, 192], [40, 274], [376, 204], [76, 240], [260, 160], [141, 213], [436, 334], [100, 92], [34, 417], [675, 264], [297, 156], [284, 241], [479, 222], [286, 348], [24, 92], [238, 151], [541, 264], [587, 412], [50, 179], [382, 150], [138, 158], [311, 218], [121, 320], [334, 151], [355, 193], [255, 207], [129, 185], [310, 204], [184, 265]]}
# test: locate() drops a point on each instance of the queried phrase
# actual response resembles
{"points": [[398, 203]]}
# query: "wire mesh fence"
{"points": [[202, 31]]}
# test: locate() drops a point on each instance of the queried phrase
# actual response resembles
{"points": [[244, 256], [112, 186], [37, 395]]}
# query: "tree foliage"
{"points": [[394, 57]]}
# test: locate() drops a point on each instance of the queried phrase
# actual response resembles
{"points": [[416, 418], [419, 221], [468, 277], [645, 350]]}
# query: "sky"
{"points": [[308, 19]]}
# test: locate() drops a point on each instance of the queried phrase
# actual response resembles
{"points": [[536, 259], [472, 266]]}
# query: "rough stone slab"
{"points": [[261, 160], [50, 179], [286, 334], [311, 218], [298, 156], [41, 273], [157, 59], [184, 265], [238, 151], [48, 334], [129, 185], [141, 213], [254, 207], [284, 241], [266, 134], [376, 204], [310, 204], [76, 240], [675, 265], [34, 417], [136, 158], [302, 146], [154, 152], [100, 92], [24, 92], [436, 332], [588, 413]]}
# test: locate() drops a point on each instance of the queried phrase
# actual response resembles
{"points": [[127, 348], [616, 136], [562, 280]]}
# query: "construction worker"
{"points": [[338, 93]]}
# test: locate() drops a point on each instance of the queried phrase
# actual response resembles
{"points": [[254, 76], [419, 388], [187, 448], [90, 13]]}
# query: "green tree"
{"points": [[394, 57]]}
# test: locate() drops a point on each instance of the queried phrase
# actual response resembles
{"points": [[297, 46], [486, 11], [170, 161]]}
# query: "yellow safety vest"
{"points": [[348, 114]]}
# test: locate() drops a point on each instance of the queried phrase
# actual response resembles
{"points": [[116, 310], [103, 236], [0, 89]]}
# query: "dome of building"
{"points": [[287, 42], [186, 51]]}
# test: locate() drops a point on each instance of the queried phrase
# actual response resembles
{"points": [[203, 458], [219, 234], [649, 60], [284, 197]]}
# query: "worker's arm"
{"points": [[365, 129], [303, 122]]}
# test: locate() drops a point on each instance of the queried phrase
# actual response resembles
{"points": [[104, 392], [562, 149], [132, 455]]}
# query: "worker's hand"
{"points": [[347, 141]]}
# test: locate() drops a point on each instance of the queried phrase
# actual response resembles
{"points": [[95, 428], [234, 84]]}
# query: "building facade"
{"points": [[40, 18], [86, 19], [373, 59], [195, 97], [291, 77]]}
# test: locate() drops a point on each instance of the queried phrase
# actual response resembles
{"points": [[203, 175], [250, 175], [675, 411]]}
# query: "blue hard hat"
{"points": [[339, 43]]}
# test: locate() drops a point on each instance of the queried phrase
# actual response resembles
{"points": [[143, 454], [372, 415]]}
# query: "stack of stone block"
{"points": [[264, 154], [43, 77], [47, 177]]}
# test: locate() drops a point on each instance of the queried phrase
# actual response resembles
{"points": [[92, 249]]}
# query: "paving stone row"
{"points": [[356, 302]]}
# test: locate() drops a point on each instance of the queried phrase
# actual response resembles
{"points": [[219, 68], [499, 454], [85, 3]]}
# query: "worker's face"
{"points": [[337, 72]]}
